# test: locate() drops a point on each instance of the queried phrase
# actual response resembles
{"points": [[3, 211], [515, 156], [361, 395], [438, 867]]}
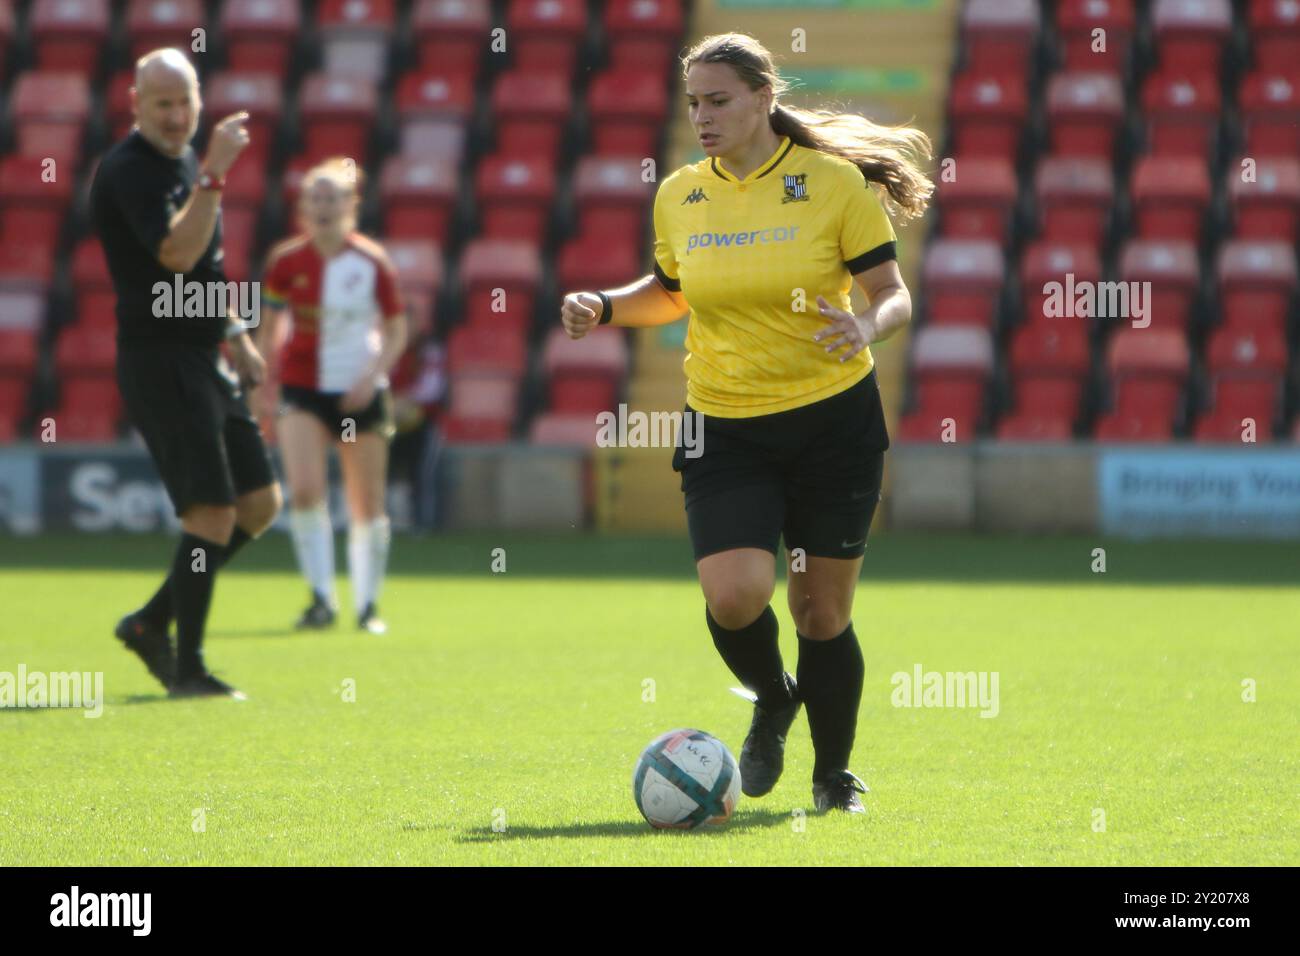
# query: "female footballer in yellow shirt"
{"points": [[782, 213]]}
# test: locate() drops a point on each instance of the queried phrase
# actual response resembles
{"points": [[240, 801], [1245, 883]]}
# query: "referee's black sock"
{"points": [[193, 575], [830, 683], [754, 656], [159, 608]]}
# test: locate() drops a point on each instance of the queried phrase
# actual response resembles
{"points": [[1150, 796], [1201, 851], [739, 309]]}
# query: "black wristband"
{"points": [[607, 309]]}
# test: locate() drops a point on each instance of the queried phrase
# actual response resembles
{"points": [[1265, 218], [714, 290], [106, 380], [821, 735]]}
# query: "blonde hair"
{"points": [[341, 170], [889, 156]]}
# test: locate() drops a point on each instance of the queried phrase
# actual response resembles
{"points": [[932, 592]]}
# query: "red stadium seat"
{"points": [[1174, 271], [1270, 113], [1034, 426], [545, 34], [434, 94], [492, 397], [21, 309], [514, 196], [355, 35], [86, 349], [952, 354], [597, 262], [1084, 114], [1256, 281], [1075, 22], [531, 110], [1149, 368], [245, 185], [976, 201], [18, 350], [1275, 33], [627, 109], [999, 36], [1268, 206], [151, 24], [259, 34], [1049, 396], [488, 265], [1182, 113], [643, 34], [1190, 34], [97, 308], [602, 352], [69, 34], [90, 409], [418, 262], [1170, 195], [610, 197], [1261, 350], [90, 267], [452, 34], [25, 266], [1050, 348], [261, 95], [418, 198], [1048, 270], [50, 112], [1074, 199], [1239, 402], [337, 115], [987, 114], [564, 428], [963, 281], [478, 348]]}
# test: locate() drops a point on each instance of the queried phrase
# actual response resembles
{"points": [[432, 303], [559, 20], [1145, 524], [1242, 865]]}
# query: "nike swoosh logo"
{"points": [[851, 544]]}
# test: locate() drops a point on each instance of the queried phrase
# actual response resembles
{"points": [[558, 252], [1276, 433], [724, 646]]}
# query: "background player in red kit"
{"points": [[348, 331]]}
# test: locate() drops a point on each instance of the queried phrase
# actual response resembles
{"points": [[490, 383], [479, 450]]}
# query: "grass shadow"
{"points": [[744, 820]]}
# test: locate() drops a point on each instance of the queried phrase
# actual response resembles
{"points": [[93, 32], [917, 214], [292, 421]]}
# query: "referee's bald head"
{"points": [[165, 100]]}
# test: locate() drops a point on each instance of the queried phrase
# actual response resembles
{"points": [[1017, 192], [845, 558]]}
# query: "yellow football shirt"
{"points": [[751, 256]]}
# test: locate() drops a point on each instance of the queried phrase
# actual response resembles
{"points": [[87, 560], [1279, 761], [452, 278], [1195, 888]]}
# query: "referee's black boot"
{"points": [[318, 616], [838, 790], [151, 644], [762, 758], [205, 685]]}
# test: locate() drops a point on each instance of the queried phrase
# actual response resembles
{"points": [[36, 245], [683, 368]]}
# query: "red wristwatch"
{"points": [[208, 181]]}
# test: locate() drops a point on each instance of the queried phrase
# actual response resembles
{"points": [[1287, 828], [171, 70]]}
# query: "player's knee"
{"points": [[819, 620], [736, 604], [210, 522], [259, 509], [305, 496]]}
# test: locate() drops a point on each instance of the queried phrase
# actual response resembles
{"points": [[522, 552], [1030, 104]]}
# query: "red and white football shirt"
{"points": [[337, 306]]}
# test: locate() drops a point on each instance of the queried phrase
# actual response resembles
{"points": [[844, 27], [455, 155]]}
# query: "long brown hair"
{"points": [[889, 156]]}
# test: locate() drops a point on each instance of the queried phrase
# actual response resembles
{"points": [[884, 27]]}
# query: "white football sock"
{"points": [[367, 560], [313, 542]]}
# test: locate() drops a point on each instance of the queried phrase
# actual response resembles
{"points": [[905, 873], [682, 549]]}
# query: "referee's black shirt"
{"points": [[136, 192]]}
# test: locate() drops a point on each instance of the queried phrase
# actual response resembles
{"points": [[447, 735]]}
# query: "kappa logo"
{"points": [[796, 188], [695, 196]]}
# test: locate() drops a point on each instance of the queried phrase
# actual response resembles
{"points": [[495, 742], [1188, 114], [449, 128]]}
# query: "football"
{"points": [[685, 779]]}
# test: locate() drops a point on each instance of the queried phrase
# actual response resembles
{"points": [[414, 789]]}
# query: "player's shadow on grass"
{"points": [[744, 820], [259, 632]]}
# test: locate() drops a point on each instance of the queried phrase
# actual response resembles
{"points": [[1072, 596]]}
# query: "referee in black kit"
{"points": [[157, 211]]}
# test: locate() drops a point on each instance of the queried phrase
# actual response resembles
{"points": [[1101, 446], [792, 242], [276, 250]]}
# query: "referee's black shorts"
{"points": [[811, 474], [187, 405], [376, 417]]}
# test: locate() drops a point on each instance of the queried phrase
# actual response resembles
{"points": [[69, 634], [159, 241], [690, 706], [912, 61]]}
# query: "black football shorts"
{"points": [[324, 406], [187, 404], [811, 475]]}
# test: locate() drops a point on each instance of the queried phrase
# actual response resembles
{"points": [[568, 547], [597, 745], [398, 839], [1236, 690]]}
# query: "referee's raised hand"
{"points": [[580, 311], [229, 137]]}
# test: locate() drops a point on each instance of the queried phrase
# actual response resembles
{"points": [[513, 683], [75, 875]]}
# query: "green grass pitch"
{"points": [[499, 720]]}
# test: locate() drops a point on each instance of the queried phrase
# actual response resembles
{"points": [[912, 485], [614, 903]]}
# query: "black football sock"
{"points": [[159, 609], [830, 683], [192, 583], [754, 656]]}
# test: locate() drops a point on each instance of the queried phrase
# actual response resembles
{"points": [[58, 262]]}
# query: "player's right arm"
{"points": [[655, 299], [190, 230], [643, 303]]}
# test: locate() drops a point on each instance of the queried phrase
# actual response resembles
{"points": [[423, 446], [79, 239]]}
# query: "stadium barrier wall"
{"points": [[1129, 490]]}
